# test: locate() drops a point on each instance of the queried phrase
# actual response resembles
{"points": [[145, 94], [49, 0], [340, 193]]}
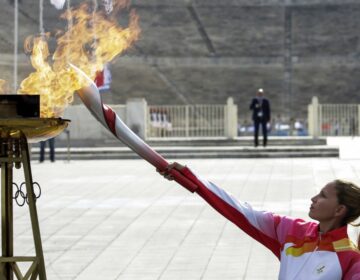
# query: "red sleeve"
{"points": [[261, 225]]}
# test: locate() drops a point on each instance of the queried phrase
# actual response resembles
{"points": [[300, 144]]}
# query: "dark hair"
{"points": [[348, 194]]}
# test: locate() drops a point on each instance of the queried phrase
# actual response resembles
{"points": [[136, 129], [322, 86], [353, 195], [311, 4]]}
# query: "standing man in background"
{"points": [[261, 116], [51, 142]]}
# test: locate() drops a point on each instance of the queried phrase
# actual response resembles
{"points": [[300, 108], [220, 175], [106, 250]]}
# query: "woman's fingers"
{"points": [[169, 177], [160, 172], [171, 166], [176, 165], [167, 172]]}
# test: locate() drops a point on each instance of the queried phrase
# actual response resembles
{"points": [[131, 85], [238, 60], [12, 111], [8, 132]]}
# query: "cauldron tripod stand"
{"points": [[14, 137]]}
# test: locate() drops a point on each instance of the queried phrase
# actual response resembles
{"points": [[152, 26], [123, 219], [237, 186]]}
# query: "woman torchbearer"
{"points": [[306, 250], [318, 250]]}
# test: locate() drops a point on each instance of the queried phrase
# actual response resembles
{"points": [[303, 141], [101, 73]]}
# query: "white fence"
{"points": [[172, 121], [333, 119], [169, 121]]}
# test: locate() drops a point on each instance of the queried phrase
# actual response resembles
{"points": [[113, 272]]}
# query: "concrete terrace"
{"points": [[118, 219], [294, 49]]}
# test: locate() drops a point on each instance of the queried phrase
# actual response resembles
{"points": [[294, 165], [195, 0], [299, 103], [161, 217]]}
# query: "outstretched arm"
{"points": [[262, 226]]}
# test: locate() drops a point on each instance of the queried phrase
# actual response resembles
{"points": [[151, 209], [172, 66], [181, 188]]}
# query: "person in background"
{"points": [[260, 107], [298, 127], [51, 143]]}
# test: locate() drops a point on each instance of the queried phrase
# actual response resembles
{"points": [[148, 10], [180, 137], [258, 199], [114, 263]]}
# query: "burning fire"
{"points": [[93, 39]]}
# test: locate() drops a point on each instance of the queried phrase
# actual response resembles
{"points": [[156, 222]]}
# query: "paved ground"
{"points": [[121, 220]]}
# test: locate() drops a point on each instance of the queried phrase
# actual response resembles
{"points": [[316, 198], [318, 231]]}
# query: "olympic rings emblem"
{"points": [[21, 197]]}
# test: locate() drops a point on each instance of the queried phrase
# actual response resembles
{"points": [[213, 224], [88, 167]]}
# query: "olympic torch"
{"points": [[91, 97]]}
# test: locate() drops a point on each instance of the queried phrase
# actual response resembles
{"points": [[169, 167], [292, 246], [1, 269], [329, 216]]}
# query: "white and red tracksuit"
{"points": [[303, 252]]}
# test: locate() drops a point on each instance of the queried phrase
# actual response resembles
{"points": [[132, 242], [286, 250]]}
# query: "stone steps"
{"points": [[92, 153], [245, 141]]}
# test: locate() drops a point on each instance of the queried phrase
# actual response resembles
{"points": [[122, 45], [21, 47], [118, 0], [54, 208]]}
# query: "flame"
{"points": [[92, 39], [4, 87]]}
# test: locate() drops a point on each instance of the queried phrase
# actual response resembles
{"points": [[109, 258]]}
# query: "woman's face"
{"points": [[324, 205]]}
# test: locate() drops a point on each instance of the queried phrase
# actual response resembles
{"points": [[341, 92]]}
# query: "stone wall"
{"points": [[204, 51]]}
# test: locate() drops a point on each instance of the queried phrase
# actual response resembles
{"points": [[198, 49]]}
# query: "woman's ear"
{"points": [[341, 210]]}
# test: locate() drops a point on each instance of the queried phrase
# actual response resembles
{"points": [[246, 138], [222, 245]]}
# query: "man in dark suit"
{"points": [[261, 115], [51, 142]]}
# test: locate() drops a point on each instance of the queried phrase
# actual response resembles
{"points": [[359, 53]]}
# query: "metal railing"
{"points": [[161, 121], [333, 119], [186, 121], [339, 119]]}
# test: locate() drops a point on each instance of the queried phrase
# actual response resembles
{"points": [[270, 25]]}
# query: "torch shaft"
{"points": [[134, 142], [109, 119]]}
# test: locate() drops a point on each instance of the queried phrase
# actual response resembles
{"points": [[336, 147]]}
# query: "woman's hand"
{"points": [[167, 172]]}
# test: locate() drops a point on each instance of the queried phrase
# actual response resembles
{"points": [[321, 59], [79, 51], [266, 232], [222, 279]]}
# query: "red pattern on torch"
{"points": [[108, 118]]}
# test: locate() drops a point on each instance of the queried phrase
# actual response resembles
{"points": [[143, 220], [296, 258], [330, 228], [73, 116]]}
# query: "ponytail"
{"points": [[348, 194]]}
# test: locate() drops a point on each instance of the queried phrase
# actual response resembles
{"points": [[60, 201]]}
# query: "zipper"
{"points": [[307, 260]]}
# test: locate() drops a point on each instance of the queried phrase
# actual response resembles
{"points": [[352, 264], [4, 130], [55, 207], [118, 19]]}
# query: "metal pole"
{"points": [[68, 144], [16, 30], [41, 18], [187, 126], [32, 209], [6, 272], [358, 111]]}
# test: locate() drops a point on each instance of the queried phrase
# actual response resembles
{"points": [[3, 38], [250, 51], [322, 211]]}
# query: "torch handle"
{"points": [[184, 181]]}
